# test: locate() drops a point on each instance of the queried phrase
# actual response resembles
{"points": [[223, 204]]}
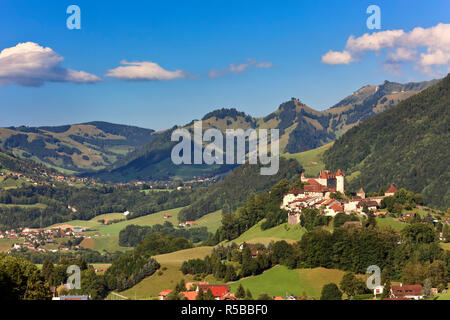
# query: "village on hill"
{"points": [[320, 193]]}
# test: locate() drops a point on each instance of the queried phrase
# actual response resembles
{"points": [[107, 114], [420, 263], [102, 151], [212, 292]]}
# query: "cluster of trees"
{"points": [[402, 199], [132, 234], [21, 280], [230, 263], [419, 273], [92, 284], [130, 268], [353, 285], [355, 249], [312, 218], [331, 291], [340, 218]]}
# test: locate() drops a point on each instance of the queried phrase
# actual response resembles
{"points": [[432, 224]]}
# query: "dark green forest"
{"points": [[233, 191], [408, 145]]}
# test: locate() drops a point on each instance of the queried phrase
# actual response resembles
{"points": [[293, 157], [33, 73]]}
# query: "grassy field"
{"points": [[445, 246], [171, 274], [108, 240], [282, 232], [281, 281], [392, 222], [444, 296], [211, 221], [177, 258], [5, 244], [310, 160]]}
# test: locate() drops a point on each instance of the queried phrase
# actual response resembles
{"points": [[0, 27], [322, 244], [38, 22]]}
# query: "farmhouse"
{"points": [[407, 291], [163, 294], [218, 290]]}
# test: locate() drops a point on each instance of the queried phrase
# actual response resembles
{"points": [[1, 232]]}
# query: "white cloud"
{"points": [[402, 54], [336, 57], [232, 68], [28, 64], [144, 71], [424, 47], [435, 57]]}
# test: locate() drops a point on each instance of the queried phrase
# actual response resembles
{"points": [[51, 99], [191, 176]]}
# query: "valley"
{"points": [[285, 236]]}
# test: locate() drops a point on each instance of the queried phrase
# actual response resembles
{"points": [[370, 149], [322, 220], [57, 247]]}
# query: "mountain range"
{"points": [[120, 153], [301, 128]]}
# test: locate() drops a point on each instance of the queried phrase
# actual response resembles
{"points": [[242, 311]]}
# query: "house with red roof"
{"points": [[218, 290], [190, 295], [163, 294], [414, 292], [391, 191]]}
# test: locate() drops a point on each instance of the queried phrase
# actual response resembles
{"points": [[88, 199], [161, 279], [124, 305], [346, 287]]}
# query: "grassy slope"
{"points": [[310, 160], [5, 244], [279, 281], [282, 232], [444, 296], [392, 222], [171, 262], [212, 221]]}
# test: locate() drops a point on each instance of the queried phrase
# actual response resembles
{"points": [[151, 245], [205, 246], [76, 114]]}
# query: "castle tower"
{"points": [[340, 181], [322, 179], [391, 191], [303, 178], [361, 193]]}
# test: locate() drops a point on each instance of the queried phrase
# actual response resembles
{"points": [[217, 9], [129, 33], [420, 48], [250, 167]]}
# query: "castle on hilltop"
{"points": [[317, 192], [333, 181]]}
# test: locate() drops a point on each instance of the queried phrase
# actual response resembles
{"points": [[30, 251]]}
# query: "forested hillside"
{"points": [[232, 192], [408, 145]]}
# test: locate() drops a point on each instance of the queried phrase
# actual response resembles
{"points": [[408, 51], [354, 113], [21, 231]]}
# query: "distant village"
{"points": [[36, 239]]}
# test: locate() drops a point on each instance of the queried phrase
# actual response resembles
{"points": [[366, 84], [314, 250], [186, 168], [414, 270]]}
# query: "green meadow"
{"points": [[287, 232], [311, 160], [281, 281]]}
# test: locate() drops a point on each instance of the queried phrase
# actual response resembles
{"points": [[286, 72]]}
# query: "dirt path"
{"points": [[119, 295]]}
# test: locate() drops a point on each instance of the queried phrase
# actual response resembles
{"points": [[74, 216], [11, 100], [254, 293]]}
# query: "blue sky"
{"points": [[286, 38]]}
